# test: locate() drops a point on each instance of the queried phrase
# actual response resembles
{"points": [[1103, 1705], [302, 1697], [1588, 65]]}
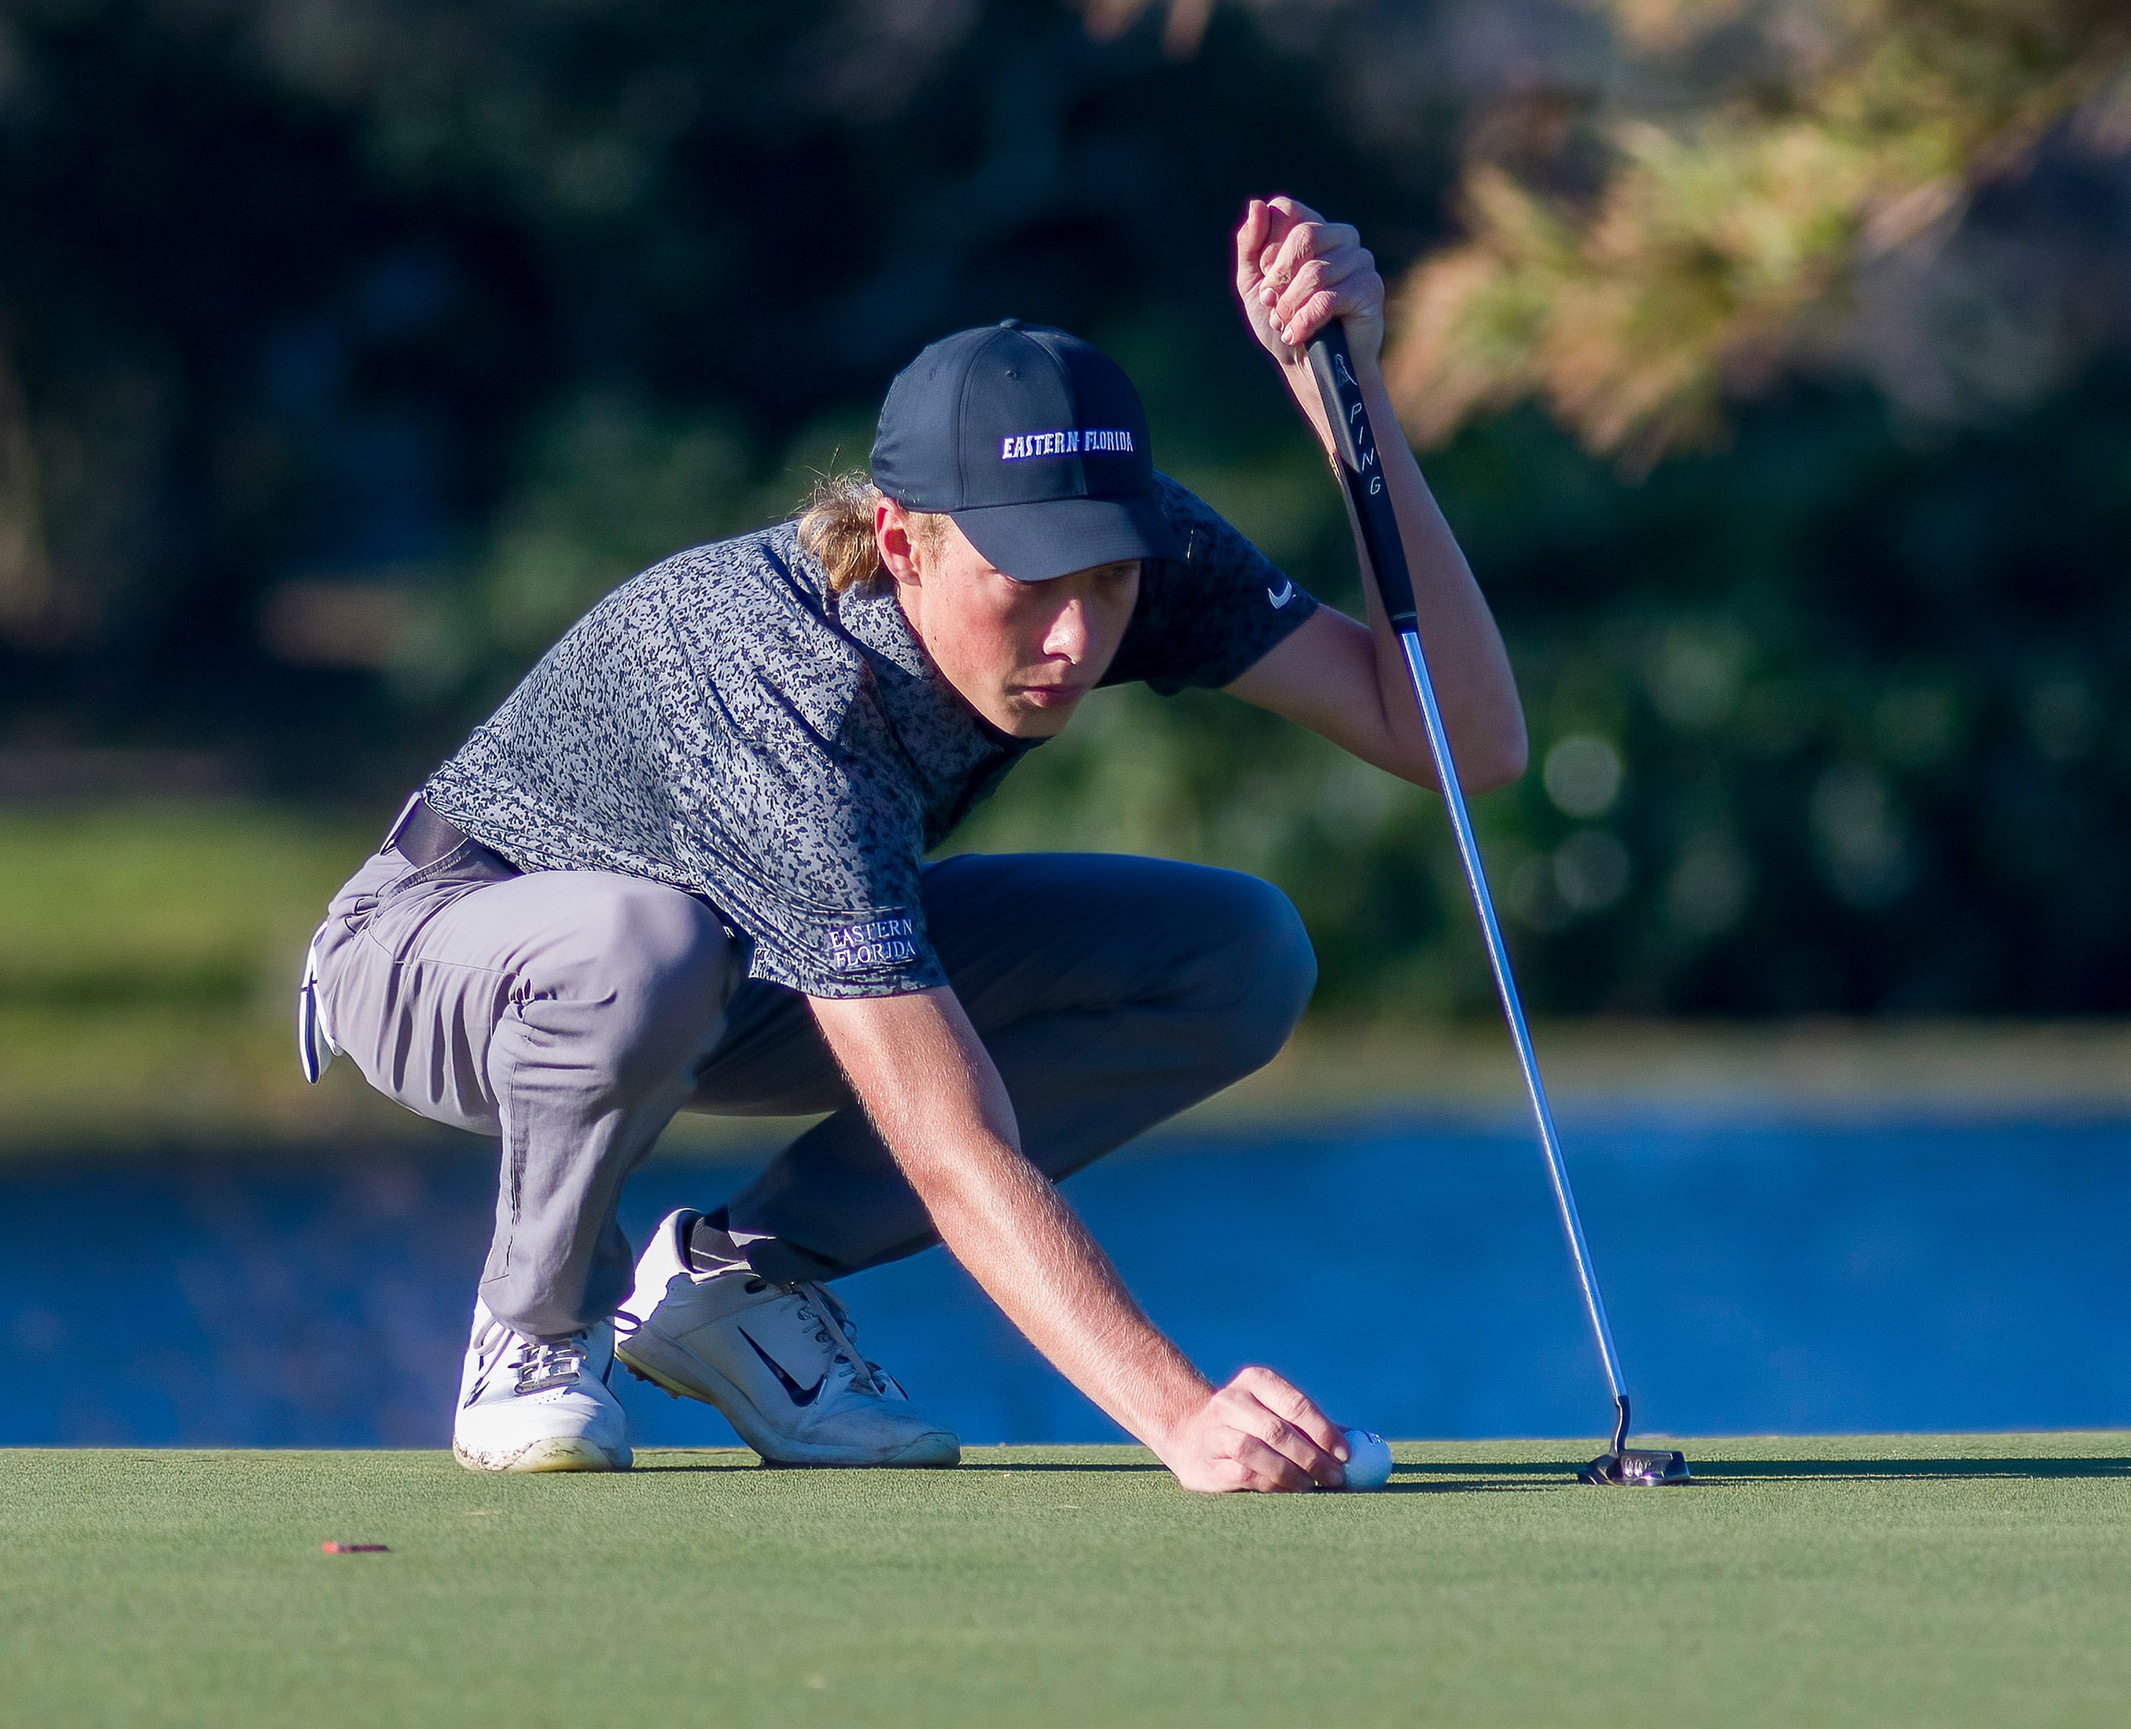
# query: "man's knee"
{"points": [[1270, 967], [1283, 966]]}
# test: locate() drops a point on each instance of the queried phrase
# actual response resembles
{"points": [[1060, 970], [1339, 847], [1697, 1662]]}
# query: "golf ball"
{"points": [[1368, 1460]]}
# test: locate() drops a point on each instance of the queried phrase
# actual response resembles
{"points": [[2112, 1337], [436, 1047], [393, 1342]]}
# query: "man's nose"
{"points": [[1068, 636]]}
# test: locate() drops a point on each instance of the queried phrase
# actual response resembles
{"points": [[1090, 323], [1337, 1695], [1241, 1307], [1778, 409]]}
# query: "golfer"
{"points": [[683, 868]]}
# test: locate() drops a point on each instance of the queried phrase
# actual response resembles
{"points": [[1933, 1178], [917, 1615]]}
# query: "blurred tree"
{"points": [[1829, 721], [25, 575], [349, 348], [1738, 178], [1683, 216], [356, 340]]}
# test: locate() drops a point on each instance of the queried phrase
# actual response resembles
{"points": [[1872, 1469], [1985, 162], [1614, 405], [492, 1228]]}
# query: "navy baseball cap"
{"points": [[1033, 441]]}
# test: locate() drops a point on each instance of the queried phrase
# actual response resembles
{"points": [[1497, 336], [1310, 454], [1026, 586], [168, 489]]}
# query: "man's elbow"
{"points": [[1489, 758], [1497, 760]]}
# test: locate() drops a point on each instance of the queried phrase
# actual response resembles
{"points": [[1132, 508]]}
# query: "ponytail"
{"points": [[836, 530]]}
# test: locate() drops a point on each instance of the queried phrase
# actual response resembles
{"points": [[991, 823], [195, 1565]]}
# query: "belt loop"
{"points": [[315, 1049], [407, 810]]}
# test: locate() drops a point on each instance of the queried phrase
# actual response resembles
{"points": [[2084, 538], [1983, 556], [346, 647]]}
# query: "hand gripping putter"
{"points": [[1362, 474]]}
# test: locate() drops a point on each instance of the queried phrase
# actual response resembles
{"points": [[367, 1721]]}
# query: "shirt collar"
{"points": [[945, 738]]}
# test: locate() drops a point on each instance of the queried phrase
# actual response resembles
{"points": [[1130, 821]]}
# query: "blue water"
{"points": [[1762, 1278]]}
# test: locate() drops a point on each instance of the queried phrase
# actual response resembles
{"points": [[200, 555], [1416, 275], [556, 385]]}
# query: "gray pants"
{"points": [[572, 1013]]}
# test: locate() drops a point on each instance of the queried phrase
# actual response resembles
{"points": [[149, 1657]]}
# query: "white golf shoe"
{"points": [[780, 1361], [538, 1404]]}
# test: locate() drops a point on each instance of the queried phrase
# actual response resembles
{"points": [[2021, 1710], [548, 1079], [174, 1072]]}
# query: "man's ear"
{"points": [[891, 535]]}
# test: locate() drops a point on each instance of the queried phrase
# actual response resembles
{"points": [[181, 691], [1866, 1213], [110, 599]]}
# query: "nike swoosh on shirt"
{"points": [[801, 1396], [1282, 595]]}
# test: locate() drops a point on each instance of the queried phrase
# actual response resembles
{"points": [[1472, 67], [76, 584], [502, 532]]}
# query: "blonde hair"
{"points": [[836, 529]]}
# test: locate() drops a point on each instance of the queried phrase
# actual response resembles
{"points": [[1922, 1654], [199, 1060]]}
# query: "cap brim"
{"points": [[1049, 538]]}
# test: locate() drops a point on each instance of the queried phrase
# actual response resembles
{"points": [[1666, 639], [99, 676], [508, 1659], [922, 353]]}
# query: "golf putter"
{"points": [[1361, 473]]}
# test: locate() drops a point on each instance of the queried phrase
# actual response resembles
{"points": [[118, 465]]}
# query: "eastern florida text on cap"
{"points": [[1033, 441]]}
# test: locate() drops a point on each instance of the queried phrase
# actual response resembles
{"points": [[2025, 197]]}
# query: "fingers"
{"points": [[1223, 1477], [1272, 1444], [1296, 273], [1259, 1433], [1287, 212], [1268, 1470], [1287, 252], [1252, 238], [1316, 272], [1285, 1399], [1322, 290], [1268, 224], [1247, 1465]]}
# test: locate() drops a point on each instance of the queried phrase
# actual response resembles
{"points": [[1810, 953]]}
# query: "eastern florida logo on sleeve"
{"points": [[876, 943]]}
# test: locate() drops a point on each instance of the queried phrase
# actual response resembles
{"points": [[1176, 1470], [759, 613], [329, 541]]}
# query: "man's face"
{"points": [[1022, 654]]}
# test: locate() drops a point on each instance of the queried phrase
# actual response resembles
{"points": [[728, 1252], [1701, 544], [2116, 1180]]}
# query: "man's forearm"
{"points": [[1021, 1242], [938, 1103], [1471, 669]]}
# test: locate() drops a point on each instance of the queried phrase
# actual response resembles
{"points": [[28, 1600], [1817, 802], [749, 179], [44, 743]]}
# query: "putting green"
{"points": [[1929, 1580]]}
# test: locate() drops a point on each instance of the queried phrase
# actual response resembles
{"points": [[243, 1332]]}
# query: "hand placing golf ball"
{"points": [[1368, 1460]]}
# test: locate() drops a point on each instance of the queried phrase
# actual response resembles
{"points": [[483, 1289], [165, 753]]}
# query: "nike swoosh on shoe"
{"points": [[801, 1396]]}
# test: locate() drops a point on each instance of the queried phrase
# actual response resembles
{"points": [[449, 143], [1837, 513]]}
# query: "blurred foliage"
{"points": [[349, 349], [190, 905], [607, 488], [1829, 722], [1768, 152], [148, 952]]}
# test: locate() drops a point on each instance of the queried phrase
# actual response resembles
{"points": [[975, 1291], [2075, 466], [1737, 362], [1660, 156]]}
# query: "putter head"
{"points": [[1634, 1468]]}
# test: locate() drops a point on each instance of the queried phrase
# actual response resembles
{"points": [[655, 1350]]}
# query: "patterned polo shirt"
{"points": [[725, 724]]}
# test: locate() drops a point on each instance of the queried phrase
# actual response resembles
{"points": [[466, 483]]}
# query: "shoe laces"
{"points": [[545, 1363], [837, 1330]]}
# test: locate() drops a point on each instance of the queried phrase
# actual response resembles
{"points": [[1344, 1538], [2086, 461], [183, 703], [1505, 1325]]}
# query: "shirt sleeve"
{"points": [[820, 869], [1205, 620]]}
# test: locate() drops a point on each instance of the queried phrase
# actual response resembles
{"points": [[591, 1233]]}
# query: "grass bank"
{"points": [[1938, 1581], [148, 961], [149, 951]]}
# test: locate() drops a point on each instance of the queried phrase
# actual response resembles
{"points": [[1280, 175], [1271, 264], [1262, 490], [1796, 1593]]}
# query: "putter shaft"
{"points": [[1483, 902], [1361, 472]]}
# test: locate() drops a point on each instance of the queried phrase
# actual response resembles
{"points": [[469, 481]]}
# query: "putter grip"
{"points": [[1361, 471]]}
